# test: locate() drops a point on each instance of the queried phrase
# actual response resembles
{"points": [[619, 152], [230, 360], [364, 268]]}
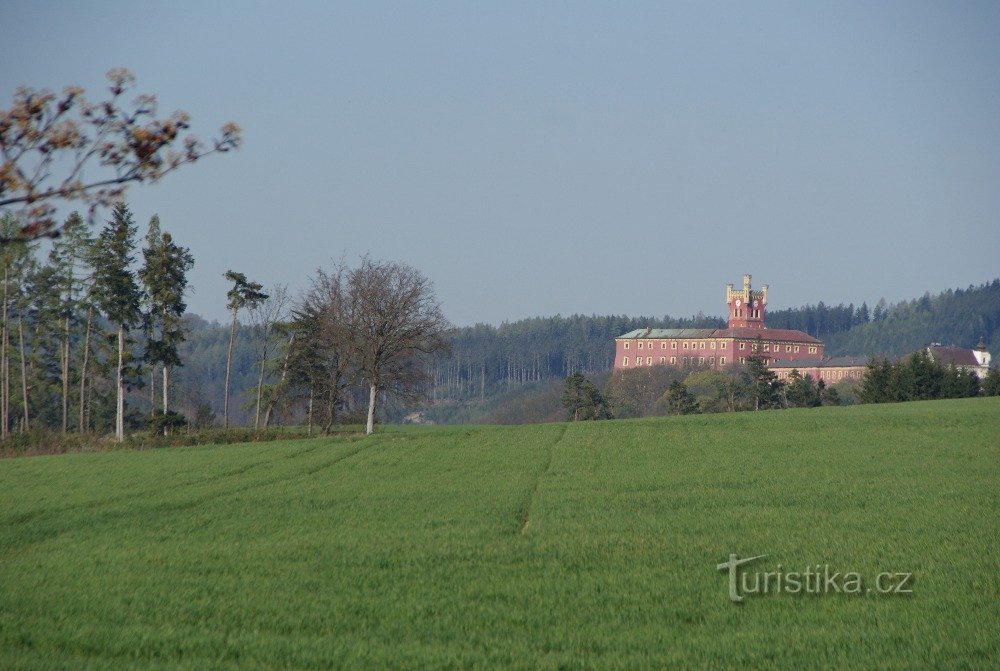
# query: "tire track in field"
{"points": [[306, 472], [533, 490], [101, 519], [143, 494]]}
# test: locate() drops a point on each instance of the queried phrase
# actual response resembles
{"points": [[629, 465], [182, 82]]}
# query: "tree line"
{"points": [[88, 326], [72, 321], [668, 390]]}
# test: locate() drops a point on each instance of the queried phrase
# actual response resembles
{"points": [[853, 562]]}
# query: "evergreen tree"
{"points": [[164, 276], [117, 293], [801, 391], [678, 400], [828, 395], [69, 261], [244, 294], [991, 385], [18, 261], [763, 382], [583, 400]]}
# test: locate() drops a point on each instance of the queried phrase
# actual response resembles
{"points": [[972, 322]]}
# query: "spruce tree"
{"points": [[117, 293], [164, 277]]}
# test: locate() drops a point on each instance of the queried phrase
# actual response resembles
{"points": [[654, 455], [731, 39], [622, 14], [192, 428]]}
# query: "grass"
{"points": [[561, 545]]}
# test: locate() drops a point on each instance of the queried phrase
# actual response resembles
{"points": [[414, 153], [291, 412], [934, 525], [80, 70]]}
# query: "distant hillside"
{"points": [[955, 317], [490, 365]]}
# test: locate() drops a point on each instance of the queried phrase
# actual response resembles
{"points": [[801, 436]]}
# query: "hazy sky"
{"points": [[540, 158]]}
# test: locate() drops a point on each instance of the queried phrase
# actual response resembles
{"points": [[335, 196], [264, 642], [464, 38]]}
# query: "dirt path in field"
{"points": [[529, 499]]}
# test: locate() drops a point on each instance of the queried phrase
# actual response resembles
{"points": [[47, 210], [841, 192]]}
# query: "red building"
{"points": [[745, 335], [830, 371]]}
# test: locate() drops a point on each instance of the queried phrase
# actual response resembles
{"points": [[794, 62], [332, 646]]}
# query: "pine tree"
{"points": [[678, 400], [991, 385], [244, 294], [164, 277], [117, 293]]}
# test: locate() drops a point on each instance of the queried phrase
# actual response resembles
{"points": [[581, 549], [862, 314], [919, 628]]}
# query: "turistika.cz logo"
{"points": [[818, 579]]}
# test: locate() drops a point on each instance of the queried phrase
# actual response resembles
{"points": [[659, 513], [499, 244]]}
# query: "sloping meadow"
{"points": [[579, 545]]}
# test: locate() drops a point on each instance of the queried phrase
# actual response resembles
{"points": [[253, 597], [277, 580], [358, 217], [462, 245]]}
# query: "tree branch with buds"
{"points": [[47, 141]]}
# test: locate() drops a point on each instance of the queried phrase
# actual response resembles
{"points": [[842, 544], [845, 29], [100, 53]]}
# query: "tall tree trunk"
{"points": [[120, 414], [260, 389], [284, 374], [152, 390], [166, 395], [370, 428], [24, 373], [83, 371], [65, 376], [229, 366], [4, 367], [311, 396]]}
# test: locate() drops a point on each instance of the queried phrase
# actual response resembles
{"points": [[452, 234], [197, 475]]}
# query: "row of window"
{"points": [[828, 374], [693, 360], [673, 344], [767, 347]]}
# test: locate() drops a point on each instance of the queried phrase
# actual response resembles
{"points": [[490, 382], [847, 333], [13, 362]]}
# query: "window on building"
{"points": [[638, 361], [625, 361], [673, 345], [743, 345], [713, 344], [701, 345], [743, 359], [649, 344], [722, 361], [673, 359], [685, 361], [663, 360], [767, 347], [812, 350], [701, 359], [626, 344], [788, 348], [711, 360], [649, 361], [663, 344], [639, 344], [722, 345], [685, 344]]}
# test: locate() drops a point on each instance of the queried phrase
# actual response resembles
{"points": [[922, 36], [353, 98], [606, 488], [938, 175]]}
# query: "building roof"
{"points": [[833, 362], [784, 335], [957, 356], [670, 333]]}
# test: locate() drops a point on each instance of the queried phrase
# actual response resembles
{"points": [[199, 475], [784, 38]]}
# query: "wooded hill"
{"points": [[489, 365]]}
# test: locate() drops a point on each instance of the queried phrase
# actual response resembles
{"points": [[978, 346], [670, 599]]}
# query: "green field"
{"points": [[561, 545]]}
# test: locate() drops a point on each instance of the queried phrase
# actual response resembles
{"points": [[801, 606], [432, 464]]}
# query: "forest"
{"points": [[76, 327]]}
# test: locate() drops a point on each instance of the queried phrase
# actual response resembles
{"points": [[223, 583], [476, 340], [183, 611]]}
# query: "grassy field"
{"points": [[561, 545]]}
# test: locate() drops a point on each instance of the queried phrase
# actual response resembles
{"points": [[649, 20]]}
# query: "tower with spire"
{"points": [[746, 306]]}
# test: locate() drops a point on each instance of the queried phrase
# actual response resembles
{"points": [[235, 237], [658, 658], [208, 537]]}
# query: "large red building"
{"points": [[745, 335]]}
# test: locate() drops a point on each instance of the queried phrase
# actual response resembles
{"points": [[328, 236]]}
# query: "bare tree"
{"points": [[393, 323], [319, 366], [44, 134]]}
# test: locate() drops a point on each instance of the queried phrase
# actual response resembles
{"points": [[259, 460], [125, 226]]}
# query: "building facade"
{"points": [[831, 371], [746, 335], [976, 360]]}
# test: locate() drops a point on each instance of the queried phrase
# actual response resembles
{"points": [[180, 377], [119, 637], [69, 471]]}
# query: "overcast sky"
{"points": [[540, 158]]}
